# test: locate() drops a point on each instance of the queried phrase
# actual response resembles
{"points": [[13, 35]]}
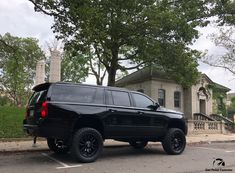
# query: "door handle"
{"points": [[112, 110], [140, 112]]}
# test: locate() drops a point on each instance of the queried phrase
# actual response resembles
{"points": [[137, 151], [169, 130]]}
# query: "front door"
{"points": [[202, 106], [149, 122]]}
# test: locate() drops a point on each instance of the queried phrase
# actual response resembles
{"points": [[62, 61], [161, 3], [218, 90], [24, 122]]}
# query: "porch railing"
{"points": [[207, 127], [229, 124]]}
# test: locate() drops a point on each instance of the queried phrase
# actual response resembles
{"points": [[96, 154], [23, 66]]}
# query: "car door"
{"points": [[118, 120], [149, 122]]}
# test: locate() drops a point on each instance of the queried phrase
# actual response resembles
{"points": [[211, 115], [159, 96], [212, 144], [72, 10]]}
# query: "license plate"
{"points": [[31, 113]]}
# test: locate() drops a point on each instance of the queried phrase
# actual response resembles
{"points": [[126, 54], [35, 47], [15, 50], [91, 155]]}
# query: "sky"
{"points": [[19, 19]]}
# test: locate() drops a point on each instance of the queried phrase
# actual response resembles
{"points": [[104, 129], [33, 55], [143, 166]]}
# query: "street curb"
{"points": [[24, 151], [20, 139], [209, 142], [109, 146]]}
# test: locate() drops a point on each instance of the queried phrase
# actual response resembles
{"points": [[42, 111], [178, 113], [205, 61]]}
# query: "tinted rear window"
{"points": [[73, 94], [38, 97]]}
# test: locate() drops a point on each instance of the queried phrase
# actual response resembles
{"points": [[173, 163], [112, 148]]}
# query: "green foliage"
{"points": [[4, 100], [219, 94], [128, 34], [231, 108], [18, 63], [233, 103], [11, 119], [226, 11], [217, 91], [73, 68]]}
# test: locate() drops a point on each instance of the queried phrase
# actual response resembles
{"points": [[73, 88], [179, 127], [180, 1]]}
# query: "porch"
{"points": [[213, 124]]}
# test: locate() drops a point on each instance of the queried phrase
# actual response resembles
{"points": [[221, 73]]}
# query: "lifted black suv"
{"points": [[78, 118]]}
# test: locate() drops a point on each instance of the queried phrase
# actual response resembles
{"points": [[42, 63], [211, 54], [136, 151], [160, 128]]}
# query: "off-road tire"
{"points": [[87, 145], [174, 141]]}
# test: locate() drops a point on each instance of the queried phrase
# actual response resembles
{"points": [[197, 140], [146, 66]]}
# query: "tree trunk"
{"points": [[111, 76], [113, 67]]}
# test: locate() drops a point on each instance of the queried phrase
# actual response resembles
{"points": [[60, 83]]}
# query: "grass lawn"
{"points": [[11, 119]]}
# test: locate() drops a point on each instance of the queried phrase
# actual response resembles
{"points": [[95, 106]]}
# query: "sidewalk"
{"points": [[27, 145]]}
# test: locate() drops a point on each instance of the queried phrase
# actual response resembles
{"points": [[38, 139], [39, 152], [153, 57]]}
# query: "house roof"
{"points": [[226, 89], [142, 75], [150, 73]]}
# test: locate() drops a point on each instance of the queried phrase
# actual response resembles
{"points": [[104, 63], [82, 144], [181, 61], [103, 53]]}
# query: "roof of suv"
{"points": [[46, 85]]}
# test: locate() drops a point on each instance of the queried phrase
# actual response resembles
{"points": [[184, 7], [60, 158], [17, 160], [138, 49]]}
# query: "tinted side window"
{"points": [[74, 94], [99, 98], [141, 101], [121, 98], [109, 98], [38, 97]]}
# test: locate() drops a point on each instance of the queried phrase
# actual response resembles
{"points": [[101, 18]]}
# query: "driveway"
{"points": [[125, 159]]}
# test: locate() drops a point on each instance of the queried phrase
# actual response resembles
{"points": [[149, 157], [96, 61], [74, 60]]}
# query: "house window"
{"points": [[220, 103], [177, 99], [161, 97]]}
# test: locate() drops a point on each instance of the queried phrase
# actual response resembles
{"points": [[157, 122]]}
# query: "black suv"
{"points": [[78, 118]]}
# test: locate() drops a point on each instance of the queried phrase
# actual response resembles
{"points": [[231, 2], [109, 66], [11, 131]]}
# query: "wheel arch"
{"points": [[89, 121], [177, 123]]}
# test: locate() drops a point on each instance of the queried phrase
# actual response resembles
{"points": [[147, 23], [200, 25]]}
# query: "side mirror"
{"points": [[154, 107]]}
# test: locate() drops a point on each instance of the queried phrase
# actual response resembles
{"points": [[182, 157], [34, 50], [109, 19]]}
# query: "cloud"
{"points": [[19, 19], [219, 75]]}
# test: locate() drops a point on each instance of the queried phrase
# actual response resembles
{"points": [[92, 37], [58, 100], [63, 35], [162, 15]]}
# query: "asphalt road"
{"points": [[124, 159]]}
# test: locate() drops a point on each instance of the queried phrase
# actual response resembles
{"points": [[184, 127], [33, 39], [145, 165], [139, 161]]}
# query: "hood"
{"points": [[169, 110]]}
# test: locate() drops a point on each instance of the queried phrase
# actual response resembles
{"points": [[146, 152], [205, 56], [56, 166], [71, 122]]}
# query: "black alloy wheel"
{"points": [[174, 142], [87, 145]]}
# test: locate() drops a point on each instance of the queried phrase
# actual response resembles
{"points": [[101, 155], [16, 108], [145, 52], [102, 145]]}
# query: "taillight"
{"points": [[44, 110]]}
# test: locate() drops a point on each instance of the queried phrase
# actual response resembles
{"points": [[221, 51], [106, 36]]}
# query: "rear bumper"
{"points": [[30, 129], [45, 129]]}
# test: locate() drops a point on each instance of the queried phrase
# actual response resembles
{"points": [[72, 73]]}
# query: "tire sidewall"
{"points": [[75, 150], [167, 141]]}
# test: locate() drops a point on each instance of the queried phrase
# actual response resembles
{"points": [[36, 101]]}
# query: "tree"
{"points": [[226, 11], [73, 68], [88, 63], [18, 63], [225, 39], [130, 34]]}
